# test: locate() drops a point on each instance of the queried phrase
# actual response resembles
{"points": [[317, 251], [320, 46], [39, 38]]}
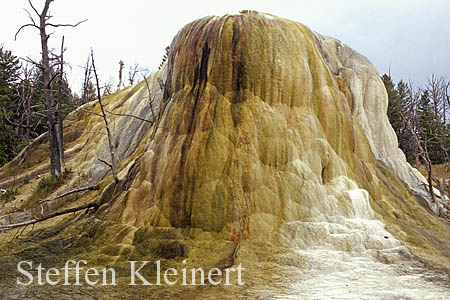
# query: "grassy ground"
{"points": [[439, 171]]}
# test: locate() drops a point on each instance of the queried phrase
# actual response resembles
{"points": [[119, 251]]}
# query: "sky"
{"points": [[411, 38]]}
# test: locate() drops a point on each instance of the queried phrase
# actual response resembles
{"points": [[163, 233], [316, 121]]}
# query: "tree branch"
{"points": [[149, 97], [51, 79], [23, 26], [91, 112], [29, 60], [66, 25], [105, 162], [12, 123], [86, 188], [127, 115], [29, 15], [35, 10], [52, 215]]}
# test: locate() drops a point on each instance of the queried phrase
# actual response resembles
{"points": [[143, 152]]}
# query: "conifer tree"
{"points": [[9, 77]]}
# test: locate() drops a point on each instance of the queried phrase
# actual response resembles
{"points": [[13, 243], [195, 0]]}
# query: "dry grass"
{"points": [[439, 171]]}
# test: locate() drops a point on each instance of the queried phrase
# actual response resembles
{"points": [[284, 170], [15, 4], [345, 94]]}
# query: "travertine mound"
{"points": [[261, 126]]}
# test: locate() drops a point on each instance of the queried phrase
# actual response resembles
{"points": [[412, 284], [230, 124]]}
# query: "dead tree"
{"points": [[420, 138], [422, 152], [150, 99], [121, 64], [44, 17], [24, 111], [112, 149], [59, 112], [132, 72], [86, 88], [447, 98], [108, 87], [438, 89], [113, 164]]}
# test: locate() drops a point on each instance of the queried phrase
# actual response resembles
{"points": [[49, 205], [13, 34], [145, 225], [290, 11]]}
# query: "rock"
{"points": [[260, 125]]}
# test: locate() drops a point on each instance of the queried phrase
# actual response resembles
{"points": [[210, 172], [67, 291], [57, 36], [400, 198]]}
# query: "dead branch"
{"points": [[91, 112], [133, 71], [29, 16], [52, 215], [22, 27], [32, 6], [31, 61], [51, 79], [96, 132], [127, 115], [86, 188], [46, 18], [105, 162], [149, 97], [66, 25], [12, 123]]}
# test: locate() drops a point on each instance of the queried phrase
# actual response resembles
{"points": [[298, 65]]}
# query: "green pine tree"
{"points": [[20, 94], [430, 128], [9, 77], [394, 107]]}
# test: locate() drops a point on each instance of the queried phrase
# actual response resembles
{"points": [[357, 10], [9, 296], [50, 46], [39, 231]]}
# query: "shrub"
{"points": [[47, 185], [9, 195]]}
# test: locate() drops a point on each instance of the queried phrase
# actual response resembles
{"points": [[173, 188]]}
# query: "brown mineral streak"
{"points": [[189, 68]]}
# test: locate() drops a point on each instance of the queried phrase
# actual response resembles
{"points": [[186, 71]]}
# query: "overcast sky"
{"points": [[411, 36]]}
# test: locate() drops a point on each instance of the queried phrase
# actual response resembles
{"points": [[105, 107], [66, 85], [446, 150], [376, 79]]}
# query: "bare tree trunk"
{"points": [[55, 157], [87, 79], [417, 159], [150, 99], [433, 87], [121, 64], [27, 122], [55, 161], [447, 102], [446, 187], [28, 114], [422, 151], [113, 164], [132, 73], [430, 181], [59, 110], [429, 167]]}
